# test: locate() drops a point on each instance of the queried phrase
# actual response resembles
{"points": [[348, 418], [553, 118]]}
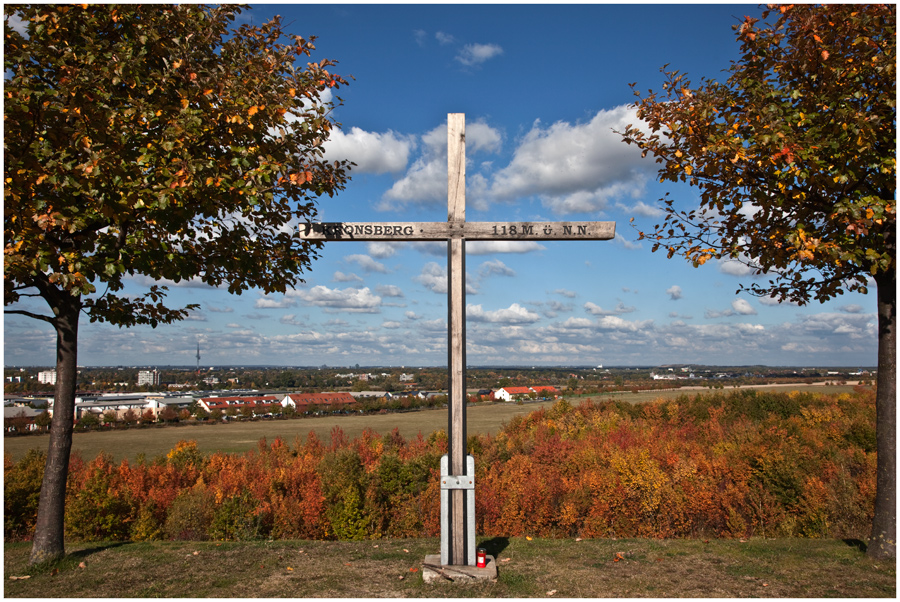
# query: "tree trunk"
{"points": [[49, 530], [883, 540]]}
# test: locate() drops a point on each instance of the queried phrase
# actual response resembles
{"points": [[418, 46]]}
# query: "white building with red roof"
{"points": [[302, 401]]}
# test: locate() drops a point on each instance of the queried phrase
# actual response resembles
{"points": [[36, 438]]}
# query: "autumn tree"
{"points": [[151, 140], [794, 159]]}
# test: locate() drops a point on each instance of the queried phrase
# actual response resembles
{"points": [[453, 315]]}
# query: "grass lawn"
{"points": [[627, 568]]}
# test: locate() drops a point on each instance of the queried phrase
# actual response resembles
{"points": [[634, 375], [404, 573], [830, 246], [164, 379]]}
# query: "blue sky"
{"points": [[542, 88]]}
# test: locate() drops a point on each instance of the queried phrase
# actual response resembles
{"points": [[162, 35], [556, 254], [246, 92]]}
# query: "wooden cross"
{"points": [[457, 487]]}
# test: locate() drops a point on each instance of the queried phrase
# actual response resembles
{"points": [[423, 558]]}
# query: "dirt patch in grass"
{"points": [[392, 568]]}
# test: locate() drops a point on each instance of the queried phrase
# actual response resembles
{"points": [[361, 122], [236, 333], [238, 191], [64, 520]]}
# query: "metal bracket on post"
{"points": [[450, 482]]}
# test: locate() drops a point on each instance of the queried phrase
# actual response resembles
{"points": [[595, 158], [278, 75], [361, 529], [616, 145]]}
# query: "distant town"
{"points": [[138, 395]]}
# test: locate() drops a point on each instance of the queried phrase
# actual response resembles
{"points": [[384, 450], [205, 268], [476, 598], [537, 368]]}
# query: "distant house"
{"points": [[511, 393], [368, 394], [238, 403], [302, 401], [18, 419], [545, 390]]}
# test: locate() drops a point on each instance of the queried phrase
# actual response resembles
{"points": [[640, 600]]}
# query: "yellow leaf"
{"points": [[252, 111], [688, 169], [184, 103]]}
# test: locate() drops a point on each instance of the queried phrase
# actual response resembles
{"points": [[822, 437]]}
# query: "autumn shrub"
{"points": [[98, 504], [237, 518], [21, 493], [344, 483], [190, 515]]}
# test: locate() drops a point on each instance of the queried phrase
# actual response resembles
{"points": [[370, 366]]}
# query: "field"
{"points": [[544, 568], [242, 436]]}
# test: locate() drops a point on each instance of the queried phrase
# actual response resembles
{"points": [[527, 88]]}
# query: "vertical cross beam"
{"points": [[456, 291]]}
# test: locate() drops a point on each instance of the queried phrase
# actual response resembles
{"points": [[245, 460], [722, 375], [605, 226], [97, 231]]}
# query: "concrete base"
{"points": [[433, 572]]}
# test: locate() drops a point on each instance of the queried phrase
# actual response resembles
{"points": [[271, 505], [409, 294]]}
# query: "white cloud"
{"points": [[596, 310], [565, 293], [740, 307], [383, 250], [366, 263], [433, 277], [350, 299], [772, 301], [391, 325], [514, 314], [575, 168], [269, 303], [289, 319], [425, 183], [621, 240], [641, 209], [734, 268], [342, 277], [853, 308], [495, 268], [475, 54], [743, 307], [617, 323], [480, 137], [486, 247], [444, 38], [578, 323], [674, 292], [389, 290], [372, 152]]}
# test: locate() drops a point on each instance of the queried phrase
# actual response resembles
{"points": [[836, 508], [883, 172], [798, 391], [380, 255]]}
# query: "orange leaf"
{"points": [[252, 111]]}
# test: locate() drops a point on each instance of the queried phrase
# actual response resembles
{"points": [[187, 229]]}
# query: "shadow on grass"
{"points": [[82, 554], [495, 545], [71, 559], [858, 544]]}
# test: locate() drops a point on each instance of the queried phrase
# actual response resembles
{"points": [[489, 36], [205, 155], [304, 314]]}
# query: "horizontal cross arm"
{"points": [[415, 231]]}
